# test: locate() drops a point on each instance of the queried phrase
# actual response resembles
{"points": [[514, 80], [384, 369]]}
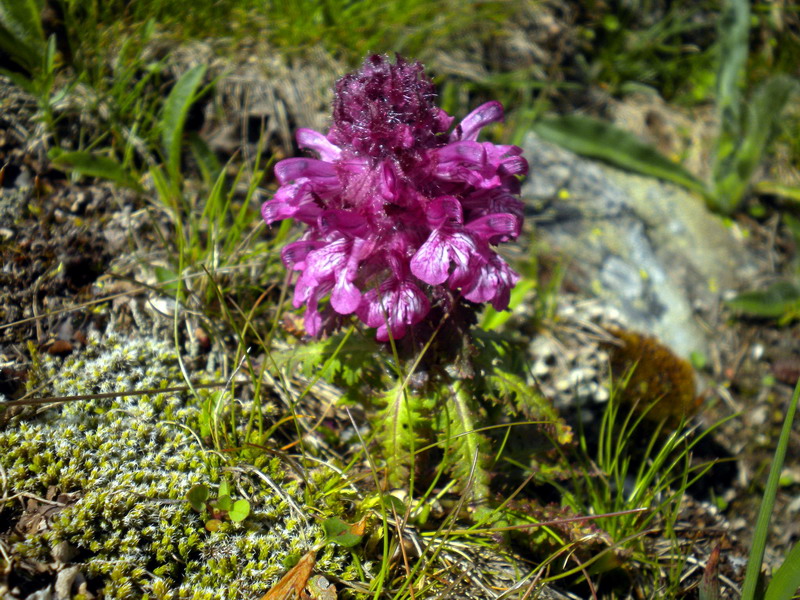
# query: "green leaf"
{"points": [[94, 165], [197, 496], [779, 299], [466, 450], [494, 319], [734, 30], [597, 139], [239, 511], [786, 580], [398, 430], [761, 530], [210, 168], [224, 488], [393, 503], [21, 32], [338, 532], [173, 117], [213, 525], [21, 81], [169, 278], [224, 502], [737, 162], [790, 192]]}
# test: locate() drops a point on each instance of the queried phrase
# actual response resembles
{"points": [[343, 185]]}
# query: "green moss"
{"points": [[127, 463]]}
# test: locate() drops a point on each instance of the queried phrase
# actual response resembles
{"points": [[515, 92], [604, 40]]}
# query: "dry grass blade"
{"points": [[291, 586]]}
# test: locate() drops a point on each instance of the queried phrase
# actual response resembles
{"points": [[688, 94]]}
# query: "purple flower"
{"points": [[401, 215]]}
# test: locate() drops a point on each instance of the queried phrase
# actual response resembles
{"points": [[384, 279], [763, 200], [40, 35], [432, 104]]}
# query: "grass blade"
{"points": [[21, 33], [777, 300], [738, 161], [734, 28], [765, 512], [94, 165], [786, 580], [597, 139], [173, 117]]}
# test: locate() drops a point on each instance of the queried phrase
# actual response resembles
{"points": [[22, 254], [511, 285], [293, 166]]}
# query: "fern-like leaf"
{"points": [[403, 426], [466, 450]]}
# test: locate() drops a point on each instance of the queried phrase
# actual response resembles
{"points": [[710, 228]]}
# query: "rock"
{"points": [[43, 594], [647, 248], [65, 580]]}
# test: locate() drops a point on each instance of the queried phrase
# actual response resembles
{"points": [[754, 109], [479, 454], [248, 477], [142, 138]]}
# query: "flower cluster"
{"points": [[401, 214]]}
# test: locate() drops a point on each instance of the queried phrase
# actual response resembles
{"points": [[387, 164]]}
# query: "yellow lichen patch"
{"points": [[655, 379]]}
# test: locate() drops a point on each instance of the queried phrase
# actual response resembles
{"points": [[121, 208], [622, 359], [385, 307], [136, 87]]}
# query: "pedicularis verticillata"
{"points": [[402, 209]]}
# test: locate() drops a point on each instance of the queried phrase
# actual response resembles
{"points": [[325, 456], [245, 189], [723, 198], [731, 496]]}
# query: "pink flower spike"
{"points": [[400, 211]]}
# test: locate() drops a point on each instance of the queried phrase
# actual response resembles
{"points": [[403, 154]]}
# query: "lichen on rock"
{"points": [[118, 470]]}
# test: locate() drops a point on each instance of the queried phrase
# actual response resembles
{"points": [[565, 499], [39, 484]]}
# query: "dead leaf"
{"points": [[291, 586]]}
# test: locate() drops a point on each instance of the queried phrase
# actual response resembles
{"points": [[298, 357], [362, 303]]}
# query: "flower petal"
{"points": [[292, 201], [294, 254], [492, 282], [345, 297], [471, 125], [395, 304], [322, 174], [491, 226], [314, 140], [431, 263]]}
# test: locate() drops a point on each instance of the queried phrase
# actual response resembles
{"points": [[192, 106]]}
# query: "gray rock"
{"points": [[649, 249], [67, 578]]}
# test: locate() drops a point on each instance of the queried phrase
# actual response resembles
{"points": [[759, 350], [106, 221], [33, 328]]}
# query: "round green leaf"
{"points": [[239, 511], [338, 532], [197, 496]]}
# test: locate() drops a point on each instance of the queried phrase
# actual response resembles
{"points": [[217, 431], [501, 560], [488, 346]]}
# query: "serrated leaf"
{"points": [[777, 300], [341, 359], [197, 496], [173, 117], [598, 139], [239, 511], [340, 533], [467, 449], [94, 165], [508, 388], [398, 430]]}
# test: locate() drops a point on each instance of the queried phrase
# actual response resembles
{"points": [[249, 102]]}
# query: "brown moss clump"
{"points": [[656, 381]]}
